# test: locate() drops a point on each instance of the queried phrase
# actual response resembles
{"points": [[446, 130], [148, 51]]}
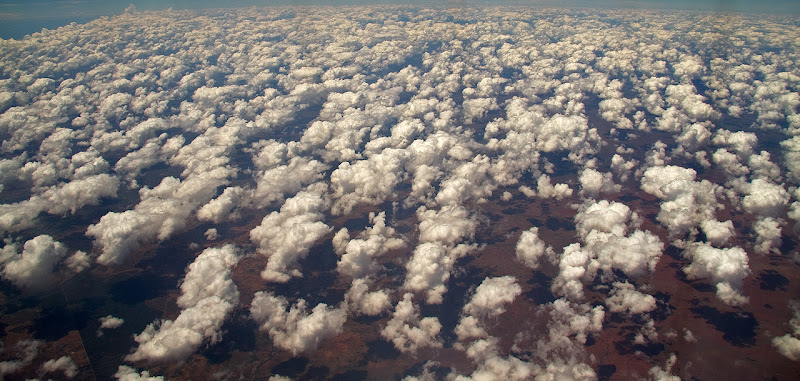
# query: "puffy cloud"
{"points": [[608, 245], [63, 364], [546, 189], [625, 298], [368, 181], [449, 225], [361, 300], [220, 208], [657, 373], [286, 179], [110, 322], [285, 237], [531, 249], [726, 268], [789, 344], [729, 162], [34, 266], [407, 331], [768, 235], [741, 142], [58, 199], [765, 199], [295, 329], [358, 255], [126, 373], [593, 183], [621, 167], [78, 262], [161, 212], [686, 203], [429, 269], [207, 296], [563, 133], [718, 233], [491, 295]]}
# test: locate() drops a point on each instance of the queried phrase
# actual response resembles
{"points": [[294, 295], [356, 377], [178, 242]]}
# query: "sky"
{"points": [[20, 18]]}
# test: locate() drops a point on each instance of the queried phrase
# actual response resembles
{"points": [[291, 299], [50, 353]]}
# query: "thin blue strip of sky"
{"points": [[22, 17]]}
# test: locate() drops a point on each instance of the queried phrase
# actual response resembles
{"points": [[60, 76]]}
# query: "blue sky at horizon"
{"points": [[19, 18]]}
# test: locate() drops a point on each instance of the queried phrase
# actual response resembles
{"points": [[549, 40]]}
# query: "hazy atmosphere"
{"points": [[451, 191]]}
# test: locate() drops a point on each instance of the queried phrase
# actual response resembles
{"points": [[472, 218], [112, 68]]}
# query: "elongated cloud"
{"points": [[207, 296]]}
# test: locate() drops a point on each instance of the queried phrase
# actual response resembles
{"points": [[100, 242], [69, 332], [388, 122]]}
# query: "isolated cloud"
{"points": [[207, 296], [294, 328], [33, 267], [789, 344], [491, 295], [531, 250], [358, 256], [285, 237], [63, 365], [726, 268], [362, 301], [625, 298], [593, 183], [126, 373], [407, 331]]}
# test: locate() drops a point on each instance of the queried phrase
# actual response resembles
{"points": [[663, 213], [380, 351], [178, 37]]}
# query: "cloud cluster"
{"points": [[608, 244], [142, 127]]}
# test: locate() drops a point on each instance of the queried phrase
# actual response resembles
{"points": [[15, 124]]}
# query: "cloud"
{"points": [[531, 250], [789, 344], [63, 364], [726, 268], [450, 225], [407, 331], [429, 269], [58, 199], [161, 212], [718, 233], [207, 296], [285, 237], [768, 235], [362, 301], [686, 203], [221, 208], [625, 298], [765, 199], [358, 256], [368, 181], [27, 350], [657, 373], [126, 373], [608, 245], [491, 295], [109, 322], [295, 329], [33, 267]]}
